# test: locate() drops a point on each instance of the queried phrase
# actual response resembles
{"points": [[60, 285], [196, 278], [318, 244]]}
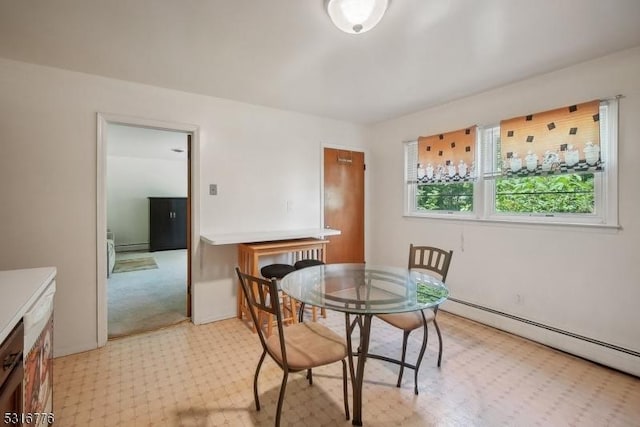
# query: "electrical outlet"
{"points": [[213, 189]]}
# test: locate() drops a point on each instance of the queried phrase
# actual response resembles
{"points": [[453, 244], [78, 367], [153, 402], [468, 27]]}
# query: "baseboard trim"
{"points": [[133, 247], [74, 349], [210, 319], [549, 328]]}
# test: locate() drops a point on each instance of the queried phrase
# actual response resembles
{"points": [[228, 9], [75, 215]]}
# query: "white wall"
{"points": [[259, 157], [130, 181], [578, 279], [262, 157]]}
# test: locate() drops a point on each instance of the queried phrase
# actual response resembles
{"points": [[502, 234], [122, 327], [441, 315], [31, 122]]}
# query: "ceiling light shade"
{"points": [[356, 16]]}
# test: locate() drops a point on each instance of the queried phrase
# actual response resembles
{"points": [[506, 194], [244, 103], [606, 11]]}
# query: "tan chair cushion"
{"points": [[408, 321], [308, 345]]}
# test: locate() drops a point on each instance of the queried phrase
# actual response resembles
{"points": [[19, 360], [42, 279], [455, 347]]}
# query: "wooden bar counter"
{"points": [[249, 259], [299, 244]]}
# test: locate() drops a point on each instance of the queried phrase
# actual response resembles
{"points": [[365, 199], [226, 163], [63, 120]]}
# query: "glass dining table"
{"points": [[361, 291]]}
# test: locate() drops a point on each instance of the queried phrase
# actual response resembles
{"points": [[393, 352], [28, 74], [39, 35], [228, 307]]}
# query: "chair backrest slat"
{"points": [[437, 260]]}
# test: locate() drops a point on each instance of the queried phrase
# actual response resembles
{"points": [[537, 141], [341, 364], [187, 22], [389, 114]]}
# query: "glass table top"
{"points": [[365, 289]]}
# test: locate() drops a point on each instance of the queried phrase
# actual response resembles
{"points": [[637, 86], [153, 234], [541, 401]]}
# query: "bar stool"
{"points": [[278, 271], [304, 263]]}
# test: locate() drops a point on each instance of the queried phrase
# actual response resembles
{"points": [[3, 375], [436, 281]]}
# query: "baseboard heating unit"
{"points": [[599, 351]]}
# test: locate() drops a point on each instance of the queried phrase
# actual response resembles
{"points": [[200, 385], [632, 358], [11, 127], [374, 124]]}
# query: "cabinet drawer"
{"points": [[11, 352]]}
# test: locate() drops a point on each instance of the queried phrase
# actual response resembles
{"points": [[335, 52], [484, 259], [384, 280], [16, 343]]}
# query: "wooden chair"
{"points": [[434, 260], [296, 348]]}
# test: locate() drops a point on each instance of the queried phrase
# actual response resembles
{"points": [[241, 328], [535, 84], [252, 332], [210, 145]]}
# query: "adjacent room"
{"points": [[319, 213], [146, 229]]}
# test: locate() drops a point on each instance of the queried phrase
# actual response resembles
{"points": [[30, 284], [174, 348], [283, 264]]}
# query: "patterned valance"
{"points": [[565, 140], [447, 157]]}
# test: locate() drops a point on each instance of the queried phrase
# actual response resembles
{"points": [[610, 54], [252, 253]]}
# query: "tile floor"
{"points": [[189, 375]]}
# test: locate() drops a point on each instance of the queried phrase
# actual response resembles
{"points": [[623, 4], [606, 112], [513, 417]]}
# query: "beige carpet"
{"points": [[144, 299]]}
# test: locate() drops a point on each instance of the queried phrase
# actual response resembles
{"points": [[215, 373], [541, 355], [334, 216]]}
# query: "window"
{"points": [[568, 177], [443, 178]]}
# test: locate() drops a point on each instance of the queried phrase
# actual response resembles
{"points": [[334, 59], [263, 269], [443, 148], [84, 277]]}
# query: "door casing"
{"points": [[193, 207]]}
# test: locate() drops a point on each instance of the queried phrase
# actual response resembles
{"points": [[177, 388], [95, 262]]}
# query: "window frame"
{"points": [[411, 190], [484, 188]]}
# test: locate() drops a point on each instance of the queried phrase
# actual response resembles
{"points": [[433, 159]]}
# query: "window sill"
{"points": [[455, 216]]}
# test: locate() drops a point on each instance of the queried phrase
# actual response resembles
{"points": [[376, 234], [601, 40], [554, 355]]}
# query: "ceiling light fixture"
{"points": [[356, 16]]}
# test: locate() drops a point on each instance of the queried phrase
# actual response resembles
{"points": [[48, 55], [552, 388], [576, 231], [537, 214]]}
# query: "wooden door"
{"points": [[344, 204]]}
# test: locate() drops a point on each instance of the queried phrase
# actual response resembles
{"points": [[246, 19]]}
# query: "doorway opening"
{"points": [[147, 186], [145, 177]]}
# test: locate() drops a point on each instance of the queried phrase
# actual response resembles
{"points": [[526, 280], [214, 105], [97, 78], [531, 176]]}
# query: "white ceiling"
{"points": [[131, 141], [287, 54]]}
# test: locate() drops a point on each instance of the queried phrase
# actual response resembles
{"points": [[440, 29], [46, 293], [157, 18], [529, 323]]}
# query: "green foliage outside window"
{"points": [[570, 193], [445, 197]]}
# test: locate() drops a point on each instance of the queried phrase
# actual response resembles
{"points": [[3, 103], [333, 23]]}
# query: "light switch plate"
{"points": [[213, 189]]}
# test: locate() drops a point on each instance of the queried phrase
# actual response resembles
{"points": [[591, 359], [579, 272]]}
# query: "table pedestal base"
{"points": [[363, 321]]}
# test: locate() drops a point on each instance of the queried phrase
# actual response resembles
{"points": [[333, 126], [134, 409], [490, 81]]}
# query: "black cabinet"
{"points": [[167, 223]]}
